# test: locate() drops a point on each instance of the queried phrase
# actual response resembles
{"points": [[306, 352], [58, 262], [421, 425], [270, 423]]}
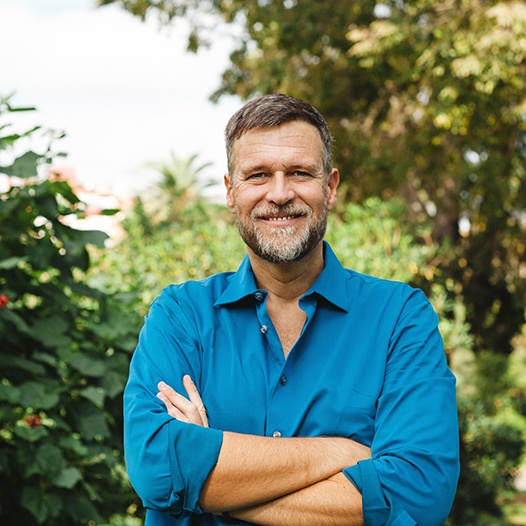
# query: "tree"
{"points": [[181, 185], [425, 99], [64, 353]]}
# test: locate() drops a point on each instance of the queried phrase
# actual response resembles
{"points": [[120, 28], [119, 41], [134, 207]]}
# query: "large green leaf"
{"points": [[24, 166], [48, 461], [94, 394], [74, 443], [24, 364], [67, 478], [113, 383], [38, 394], [41, 504], [92, 422], [9, 393], [52, 331], [31, 434], [87, 366]]}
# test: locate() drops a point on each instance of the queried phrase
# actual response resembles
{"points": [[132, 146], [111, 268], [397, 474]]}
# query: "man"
{"points": [[293, 391]]}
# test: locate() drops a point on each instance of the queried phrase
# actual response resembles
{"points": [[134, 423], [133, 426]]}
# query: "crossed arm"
{"points": [[275, 481]]}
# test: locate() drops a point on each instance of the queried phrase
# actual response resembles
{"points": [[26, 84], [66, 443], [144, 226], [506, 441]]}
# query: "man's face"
{"points": [[279, 192]]}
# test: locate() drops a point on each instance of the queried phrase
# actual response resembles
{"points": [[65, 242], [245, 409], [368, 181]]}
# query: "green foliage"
{"points": [[181, 184], [425, 99], [376, 238], [64, 353], [203, 241], [493, 433]]}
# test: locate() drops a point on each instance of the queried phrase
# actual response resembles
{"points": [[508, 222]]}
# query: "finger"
{"points": [[195, 398], [178, 400], [185, 406], [171, 409]]}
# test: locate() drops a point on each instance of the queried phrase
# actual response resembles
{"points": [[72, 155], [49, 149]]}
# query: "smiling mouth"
{"points": [[280, 218]]}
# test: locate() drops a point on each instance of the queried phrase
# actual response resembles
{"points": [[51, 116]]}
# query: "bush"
{"points": [[64, 353]]}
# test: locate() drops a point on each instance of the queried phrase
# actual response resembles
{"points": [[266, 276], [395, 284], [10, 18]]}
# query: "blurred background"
{"points": [[111, 158]]}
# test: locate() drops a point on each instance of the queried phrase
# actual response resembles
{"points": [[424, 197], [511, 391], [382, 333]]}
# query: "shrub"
{"points": [[64, 353]]}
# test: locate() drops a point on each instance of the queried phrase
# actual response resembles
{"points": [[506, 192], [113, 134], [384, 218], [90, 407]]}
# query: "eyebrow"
{"points": [[306, 167]]}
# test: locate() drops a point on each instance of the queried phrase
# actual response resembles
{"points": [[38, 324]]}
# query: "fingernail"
{"points": [[161, 385]]}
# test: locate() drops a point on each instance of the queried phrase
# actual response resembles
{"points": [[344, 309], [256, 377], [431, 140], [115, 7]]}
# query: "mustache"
{"points": [[284, 210]]}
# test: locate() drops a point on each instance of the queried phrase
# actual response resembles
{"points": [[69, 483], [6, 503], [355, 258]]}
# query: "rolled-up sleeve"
{"points": [[413, 473], [167, 461]]}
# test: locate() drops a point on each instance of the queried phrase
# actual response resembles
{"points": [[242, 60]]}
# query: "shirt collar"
{"points": [[242, 284], [330, 284]]}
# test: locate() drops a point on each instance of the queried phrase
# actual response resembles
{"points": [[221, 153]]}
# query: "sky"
{"points": [[125, 92]]}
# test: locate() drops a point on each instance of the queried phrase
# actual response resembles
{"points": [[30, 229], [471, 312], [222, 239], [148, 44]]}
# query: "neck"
{"points": [[288, 281]]}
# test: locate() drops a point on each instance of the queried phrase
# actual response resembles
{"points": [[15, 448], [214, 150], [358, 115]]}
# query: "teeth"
{"points": [[288, 218]]}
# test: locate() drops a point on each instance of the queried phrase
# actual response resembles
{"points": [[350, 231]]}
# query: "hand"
{"points": [[190, 410]]}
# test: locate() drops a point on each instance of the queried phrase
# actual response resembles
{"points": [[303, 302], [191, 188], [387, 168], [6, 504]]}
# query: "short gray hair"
{"points": [[275, 110]]}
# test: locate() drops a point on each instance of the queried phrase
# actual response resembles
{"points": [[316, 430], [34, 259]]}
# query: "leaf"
{"points": [[41, 504], [51, 331], [109, 211], [113, 383], [31, 434], [74, 444], [94, 394], [34, 394], [10, 263], [9, 393], [92, 422], [81, 508], [22, 363], [24, 166], [48, 461], [46, 358], [92, 237], [88, 366], [17, 321], [67, 478], [7, 207]]}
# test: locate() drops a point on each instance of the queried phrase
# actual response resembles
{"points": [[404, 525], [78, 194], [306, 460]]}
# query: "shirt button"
{"points": [[264, 329], [258, 296], [276, 434], [283, 380]]}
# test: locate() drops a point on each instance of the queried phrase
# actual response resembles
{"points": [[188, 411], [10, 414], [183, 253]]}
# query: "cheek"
{"points": [[246, 199]]}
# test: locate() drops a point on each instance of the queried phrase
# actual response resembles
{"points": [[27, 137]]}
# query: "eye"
{"points": [[300, 173], [256, 176]]}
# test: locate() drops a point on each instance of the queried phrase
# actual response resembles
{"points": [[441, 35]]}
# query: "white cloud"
{"points": [[125, 92]]}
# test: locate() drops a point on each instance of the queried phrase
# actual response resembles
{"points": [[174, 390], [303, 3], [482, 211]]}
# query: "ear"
{"points": [[333, 181], [229, 195]]}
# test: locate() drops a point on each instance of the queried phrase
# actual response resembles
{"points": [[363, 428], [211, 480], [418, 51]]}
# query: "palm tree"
{"points": [[181, 185]]}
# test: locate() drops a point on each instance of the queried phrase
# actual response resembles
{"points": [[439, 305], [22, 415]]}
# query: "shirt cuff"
{"points": [[378, 506], [202, 445]]}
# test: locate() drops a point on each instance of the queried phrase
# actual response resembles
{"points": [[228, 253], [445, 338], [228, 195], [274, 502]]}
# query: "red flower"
{"points": [[34, 420], [4, 300]]}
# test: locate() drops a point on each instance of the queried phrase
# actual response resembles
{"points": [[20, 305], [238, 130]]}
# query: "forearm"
{"points": [[252, 470], [331, 502]]}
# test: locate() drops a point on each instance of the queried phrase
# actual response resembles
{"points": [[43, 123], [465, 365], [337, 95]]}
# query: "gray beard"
{"points": [[283, 244]]}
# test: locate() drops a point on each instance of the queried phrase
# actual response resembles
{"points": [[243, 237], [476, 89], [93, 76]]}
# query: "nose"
{"points": [[280, 190]]}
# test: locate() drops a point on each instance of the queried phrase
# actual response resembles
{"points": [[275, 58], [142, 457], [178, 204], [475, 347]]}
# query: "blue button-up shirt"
{"points": [[369, 365]]}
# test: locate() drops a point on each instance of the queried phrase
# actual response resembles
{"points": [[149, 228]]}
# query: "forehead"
{"points": [[295, 142]]}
